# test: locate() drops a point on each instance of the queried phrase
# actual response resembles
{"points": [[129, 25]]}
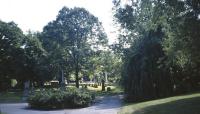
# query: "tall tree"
{"points": [[78, 34], [181, 43], [22, 57], [36, 59], [162, 43], [11, 38]]}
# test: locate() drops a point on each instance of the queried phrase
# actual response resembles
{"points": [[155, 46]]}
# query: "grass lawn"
{"points": [[114, 90], [2, 113], [7, 97], [186, 104], [14, 97]]}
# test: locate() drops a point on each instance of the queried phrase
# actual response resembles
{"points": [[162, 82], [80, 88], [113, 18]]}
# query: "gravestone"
{"points": [[106, 77]]}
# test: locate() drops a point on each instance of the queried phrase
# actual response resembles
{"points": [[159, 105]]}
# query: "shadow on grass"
{"points": [[41, 109], [183, 106]]}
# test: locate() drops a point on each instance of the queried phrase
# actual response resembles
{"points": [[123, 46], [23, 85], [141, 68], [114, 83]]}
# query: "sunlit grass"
{"points": [[187, 104], [7, 97], [114, 90], [99, 88]]}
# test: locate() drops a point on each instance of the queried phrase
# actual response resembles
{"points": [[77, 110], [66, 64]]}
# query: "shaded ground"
{"points": [[186, 104], [11, 97], [105, 105]]}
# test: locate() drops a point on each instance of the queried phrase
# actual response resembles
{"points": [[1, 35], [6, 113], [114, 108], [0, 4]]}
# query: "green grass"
{"points": [[2, 113], [186, 104], [7, 97], [114, 90]]}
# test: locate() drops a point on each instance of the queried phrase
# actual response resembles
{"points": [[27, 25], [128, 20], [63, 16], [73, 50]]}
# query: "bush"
{"points": [[54, 99]]}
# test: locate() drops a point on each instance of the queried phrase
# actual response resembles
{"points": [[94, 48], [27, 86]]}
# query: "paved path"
{"points": [[107, 105]]}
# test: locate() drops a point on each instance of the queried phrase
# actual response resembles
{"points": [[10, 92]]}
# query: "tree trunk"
{"points": [[77, 79], [103, 85], [62, 83], [26, 89]]}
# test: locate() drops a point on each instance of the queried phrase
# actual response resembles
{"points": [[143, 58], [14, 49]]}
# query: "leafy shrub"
{"points": [[53, 99]]}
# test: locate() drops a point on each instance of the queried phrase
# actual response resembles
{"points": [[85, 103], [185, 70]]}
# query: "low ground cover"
{"points": [[185, 104], [7, 97]]}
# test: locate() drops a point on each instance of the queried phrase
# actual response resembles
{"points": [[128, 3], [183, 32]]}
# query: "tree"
{"points": [[36, 59], [22, 57], [160, 37], [181, 43], [76, 34], [111, 65], [11, 38]]}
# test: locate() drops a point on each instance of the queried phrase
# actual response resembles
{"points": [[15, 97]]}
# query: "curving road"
{"points": [[106, 105]]}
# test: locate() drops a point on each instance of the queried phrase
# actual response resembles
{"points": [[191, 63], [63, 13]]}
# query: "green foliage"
{"points": [[36, 59], [105, 62], [11, 38], [158, 41], [22, 57], [72, 39], [53, 99], [141, 74]]}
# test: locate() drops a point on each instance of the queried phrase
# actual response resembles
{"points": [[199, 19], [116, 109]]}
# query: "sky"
{"points": [[35, 14]]}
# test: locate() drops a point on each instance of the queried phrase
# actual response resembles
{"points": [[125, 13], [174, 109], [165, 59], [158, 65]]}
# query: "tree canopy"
{"points": [[72, 38], [162, 39], [21, 55]]}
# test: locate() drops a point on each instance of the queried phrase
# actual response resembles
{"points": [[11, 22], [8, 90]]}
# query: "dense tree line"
{"points": [[21, 56], [159, 44], [65, 47]]}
